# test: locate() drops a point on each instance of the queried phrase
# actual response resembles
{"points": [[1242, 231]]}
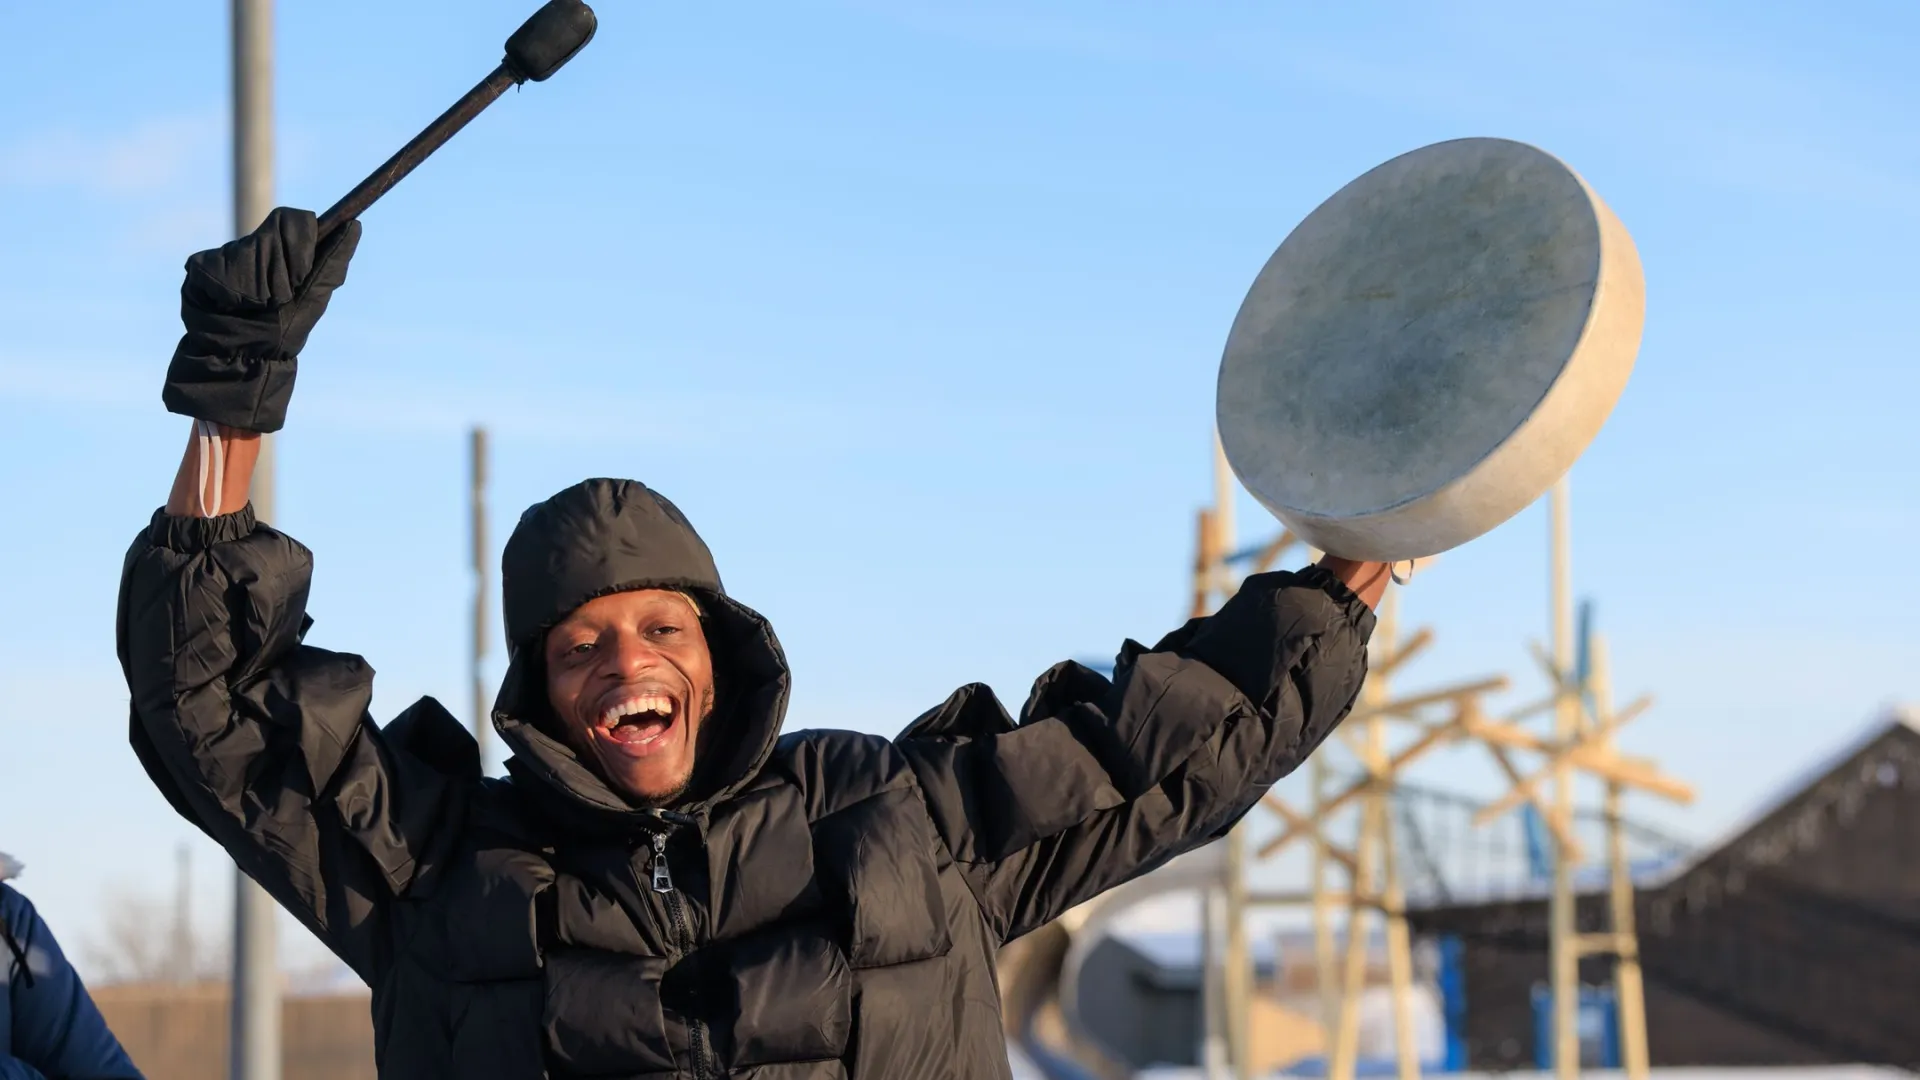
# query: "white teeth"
{"points": [[645, 703]]}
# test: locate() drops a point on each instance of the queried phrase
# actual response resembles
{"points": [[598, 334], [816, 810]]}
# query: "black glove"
{"points": [[248, 306]]}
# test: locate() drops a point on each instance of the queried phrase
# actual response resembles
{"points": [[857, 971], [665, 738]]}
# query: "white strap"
{"points": [[213, 465]]}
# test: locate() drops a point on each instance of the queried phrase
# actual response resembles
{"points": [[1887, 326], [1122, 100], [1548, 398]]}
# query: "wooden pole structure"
{"points": [[1204, 561], [1394, 907], [482, 712], [1344, 1040], [1564, 953], [1629, 992], [1374, 882], [1323, 955], [1587, 749], [1575, 747], [1237, 967], [1223, 524], [1375, 873], [1213, 1048], [1207, 556]]}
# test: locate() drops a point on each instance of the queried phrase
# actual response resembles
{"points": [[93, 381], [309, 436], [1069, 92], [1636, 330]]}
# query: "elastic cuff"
{"points": [[1319, 577], [191, 534]]}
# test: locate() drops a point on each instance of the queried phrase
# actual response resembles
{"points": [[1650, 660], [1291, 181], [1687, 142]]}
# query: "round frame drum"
{"points": [[1430, 350]]}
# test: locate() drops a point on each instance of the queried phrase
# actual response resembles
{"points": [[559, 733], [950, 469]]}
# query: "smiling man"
{"points": [[630, 684], [663, 884]]}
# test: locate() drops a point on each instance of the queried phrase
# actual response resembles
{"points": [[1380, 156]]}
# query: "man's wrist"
{"points": [[238, 451], [1368, 580]]}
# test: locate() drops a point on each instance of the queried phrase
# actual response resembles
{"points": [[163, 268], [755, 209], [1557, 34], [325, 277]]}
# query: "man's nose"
{"points": [[634, 655]]}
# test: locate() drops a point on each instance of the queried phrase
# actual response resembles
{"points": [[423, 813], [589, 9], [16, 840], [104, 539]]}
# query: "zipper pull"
{"points": [[662, 878]]}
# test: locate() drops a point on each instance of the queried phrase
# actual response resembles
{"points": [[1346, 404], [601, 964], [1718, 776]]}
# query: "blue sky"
{"points": [[915, 308]]}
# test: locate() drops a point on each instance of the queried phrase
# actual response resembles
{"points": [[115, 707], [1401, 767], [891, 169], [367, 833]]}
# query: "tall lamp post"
{"points": [[254, 1052]]}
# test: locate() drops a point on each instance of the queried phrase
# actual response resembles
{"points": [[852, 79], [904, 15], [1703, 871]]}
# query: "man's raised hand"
{"points": [[248, 307]]}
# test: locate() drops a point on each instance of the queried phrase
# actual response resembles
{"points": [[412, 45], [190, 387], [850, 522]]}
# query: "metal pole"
{"points": [[1566, 722], [254, 1053], [1213, 1050], [182, 961], [481, 717]]}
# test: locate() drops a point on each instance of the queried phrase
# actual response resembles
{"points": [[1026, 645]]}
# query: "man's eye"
{"points": [[581, 649], [669, 629]]}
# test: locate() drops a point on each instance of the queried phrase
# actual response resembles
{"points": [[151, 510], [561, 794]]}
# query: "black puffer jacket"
{"points": [[837, 899]]}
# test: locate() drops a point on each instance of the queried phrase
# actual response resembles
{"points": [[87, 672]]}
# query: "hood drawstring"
{"points": [[10, 868], [21, 970]]}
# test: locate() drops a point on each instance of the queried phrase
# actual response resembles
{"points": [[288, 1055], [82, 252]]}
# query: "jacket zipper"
{"points": [[662, 875]]}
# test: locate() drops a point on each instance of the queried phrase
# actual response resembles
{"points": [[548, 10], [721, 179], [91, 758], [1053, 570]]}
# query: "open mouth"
{"points": [[638, 725]]}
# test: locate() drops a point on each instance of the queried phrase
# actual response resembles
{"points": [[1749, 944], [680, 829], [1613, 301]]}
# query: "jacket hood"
{"points": [[605, 536]]}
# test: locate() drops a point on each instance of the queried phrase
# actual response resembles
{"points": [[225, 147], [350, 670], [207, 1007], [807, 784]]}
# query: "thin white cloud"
{"points": [[153, 176], [555, 410], [86, 380], [180, 228], [1018, 28], [152, 156], [407, 405]]}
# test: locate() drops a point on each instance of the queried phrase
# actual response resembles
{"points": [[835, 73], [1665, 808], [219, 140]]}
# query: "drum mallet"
{"points": [[543, 43]]}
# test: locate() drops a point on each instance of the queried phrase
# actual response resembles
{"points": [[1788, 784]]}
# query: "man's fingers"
{"points": [[336, 250], [285, 241], [274, 264]]}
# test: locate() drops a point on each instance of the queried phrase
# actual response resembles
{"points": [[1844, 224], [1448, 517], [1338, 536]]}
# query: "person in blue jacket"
{"points": [[50, 1028]]}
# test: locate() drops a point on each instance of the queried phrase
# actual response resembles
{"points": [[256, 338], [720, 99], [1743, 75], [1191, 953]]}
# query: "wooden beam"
{"points": [[1351, 735], [1562, 835], [1531, 709], [1561, 680], [1299, 823], [1272, 552], [1292, 899], [1204, 558], [1589, 757], [1431, 738], [1402, 706], [1404, 652], [1627, 715]]}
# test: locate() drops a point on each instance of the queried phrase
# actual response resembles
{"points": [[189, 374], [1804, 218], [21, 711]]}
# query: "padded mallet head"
{"points": [[549, 39]]}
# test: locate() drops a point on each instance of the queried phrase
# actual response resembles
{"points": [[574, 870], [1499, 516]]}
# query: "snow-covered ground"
{"points": [[1821, 1073], [1025, 1070]]}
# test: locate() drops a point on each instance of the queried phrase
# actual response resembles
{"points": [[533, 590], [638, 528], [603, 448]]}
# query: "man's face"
{"points": [[631, 680]]}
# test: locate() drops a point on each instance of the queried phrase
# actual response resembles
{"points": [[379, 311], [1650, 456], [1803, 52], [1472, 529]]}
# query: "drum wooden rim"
{"points": [[1521, 466]]}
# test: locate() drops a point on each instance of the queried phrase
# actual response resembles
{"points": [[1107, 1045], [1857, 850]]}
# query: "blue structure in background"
{"points": [[1597, 1021], [1539, 850], [1316, 1066], [1452, 979], [1598, 1016]]}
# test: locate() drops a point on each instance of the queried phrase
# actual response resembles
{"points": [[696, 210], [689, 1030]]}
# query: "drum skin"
{"points": [[1430, 350]]}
